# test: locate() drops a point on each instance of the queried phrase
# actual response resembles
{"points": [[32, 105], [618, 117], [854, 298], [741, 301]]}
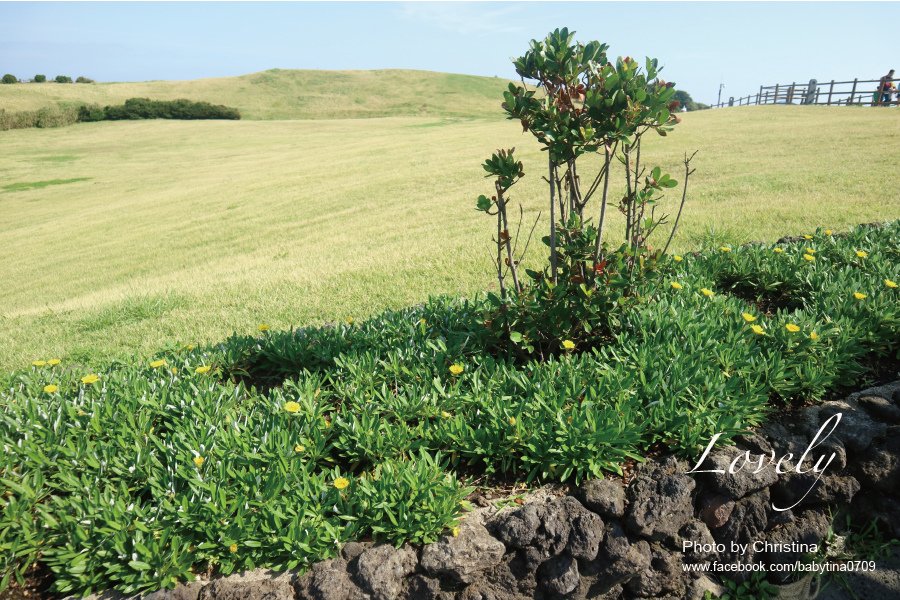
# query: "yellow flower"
{"points": [[725, 249], [90, 379], [53, 362], [859, 295], [341, 483], [677, 258], [349, 320], [299, 448], [813, 336], [707, 292], [862, 253], [748, 317], [455, 531], [811, 250], [198, 461], [263, 327], [675, 285], [758, 330], [174, 370], [512, 420], [792, 328], [890, 284], [445, 414], [50, 389], [292, 407], [189, 347], [809, 257], [807, 237], [232, 548], [828, 232], [568, 344], [158, 363], [777, 250], [456, 369], [39, 363], [422, 322], [202, 369]]}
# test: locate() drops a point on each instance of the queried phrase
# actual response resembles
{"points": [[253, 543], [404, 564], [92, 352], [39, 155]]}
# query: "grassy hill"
{"points": [[130, 236], [291, 94]]}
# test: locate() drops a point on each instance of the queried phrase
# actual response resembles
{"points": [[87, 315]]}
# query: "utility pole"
{"points": [[721, 87]]}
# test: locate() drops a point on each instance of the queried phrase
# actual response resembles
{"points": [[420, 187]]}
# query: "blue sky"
{"points": [[743, 45]]}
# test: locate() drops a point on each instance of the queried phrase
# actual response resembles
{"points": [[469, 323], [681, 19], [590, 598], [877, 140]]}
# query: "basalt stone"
{"points": [[586, 535], [809, 489], [889, 391], [880, 467], [182, 591], [785, 441], [660, 504], [664, 577], [352, 550], [752, 472], [381, 570], [603, 496], [856, 429], [542, 529], [559, 575], [621, 560], [715, 509], [810, 528], [419, 587], [696, 531], [880, 408], [328, 580], [463, 556], [748, 520], [253, 585]]}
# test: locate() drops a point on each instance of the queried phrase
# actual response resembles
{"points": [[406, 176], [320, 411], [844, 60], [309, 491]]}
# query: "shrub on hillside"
{"points": [[9, 78], [144, 108], [63, 79], [83, 79], [49, 116], [40, 78]]}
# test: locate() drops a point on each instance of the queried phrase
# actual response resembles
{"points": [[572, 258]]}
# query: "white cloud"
{"points": [[464, 18]]}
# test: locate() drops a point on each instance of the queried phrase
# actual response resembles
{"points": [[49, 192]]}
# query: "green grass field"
{"points": [[289, 94], [120, 238]]}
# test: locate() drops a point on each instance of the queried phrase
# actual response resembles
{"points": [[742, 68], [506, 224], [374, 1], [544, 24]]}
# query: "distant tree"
{"points": [[10, 78], [63, 79], [40, 78], [83, 79], [686, 101]]}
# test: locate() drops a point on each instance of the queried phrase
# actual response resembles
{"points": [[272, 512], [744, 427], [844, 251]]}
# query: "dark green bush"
{"points": [[63, 79], [8, 78], [83, 79], [144, 108], [40, 78]]}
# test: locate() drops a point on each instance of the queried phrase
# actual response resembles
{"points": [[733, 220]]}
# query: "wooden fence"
{"points": [[859, 92]]}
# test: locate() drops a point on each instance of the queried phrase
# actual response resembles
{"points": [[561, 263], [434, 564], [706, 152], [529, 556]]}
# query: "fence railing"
{"points": [[859, 92]]}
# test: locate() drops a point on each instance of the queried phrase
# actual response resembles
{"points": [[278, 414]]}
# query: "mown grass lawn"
{"points": [[121, 238]]}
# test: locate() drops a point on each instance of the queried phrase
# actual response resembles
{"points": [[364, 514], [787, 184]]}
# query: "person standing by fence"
{"points": [[885, 89]]}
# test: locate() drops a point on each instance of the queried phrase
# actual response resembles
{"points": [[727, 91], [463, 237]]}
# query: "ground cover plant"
{"points": [[273, 449]]}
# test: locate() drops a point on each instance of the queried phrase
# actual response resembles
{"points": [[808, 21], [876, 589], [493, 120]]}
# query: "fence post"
{"points": [[776, 94], [790, 94], [759, 95], [853, 91], [830, 91]]}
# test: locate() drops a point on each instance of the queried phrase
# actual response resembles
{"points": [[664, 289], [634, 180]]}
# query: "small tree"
{"points": [[83, 79], [63, 79], [8, 78], [584, 107], [40, 78]]}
